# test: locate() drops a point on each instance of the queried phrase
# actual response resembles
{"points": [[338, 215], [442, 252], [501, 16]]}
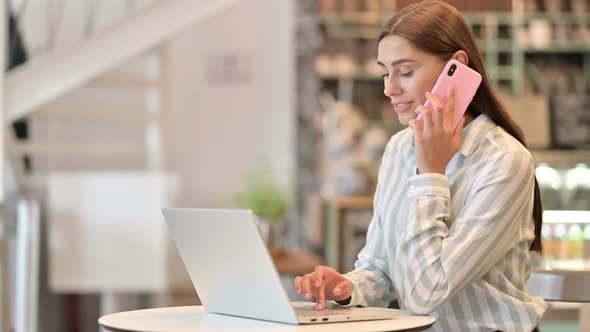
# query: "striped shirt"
{"points": [[455, 246]]}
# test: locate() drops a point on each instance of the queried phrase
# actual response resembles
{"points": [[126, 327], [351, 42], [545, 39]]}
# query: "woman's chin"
{"points": [[405, 117]]}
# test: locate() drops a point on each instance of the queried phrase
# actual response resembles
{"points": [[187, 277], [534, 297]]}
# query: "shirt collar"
{"points": [[473, 133]]}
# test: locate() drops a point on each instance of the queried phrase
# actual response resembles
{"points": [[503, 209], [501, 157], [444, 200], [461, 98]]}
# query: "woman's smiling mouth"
{"points": [[402, 107]]}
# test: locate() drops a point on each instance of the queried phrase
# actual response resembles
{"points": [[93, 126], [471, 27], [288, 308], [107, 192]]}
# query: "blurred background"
{"points": [[115, 109]]}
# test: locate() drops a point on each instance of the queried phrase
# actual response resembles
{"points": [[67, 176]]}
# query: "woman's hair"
{"points": [[438, 28]]}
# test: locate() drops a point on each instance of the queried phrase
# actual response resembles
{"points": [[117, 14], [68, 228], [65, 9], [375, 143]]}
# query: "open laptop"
{"points": [[233, 272]]}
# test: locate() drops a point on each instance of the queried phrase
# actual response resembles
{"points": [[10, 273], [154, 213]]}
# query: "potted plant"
{"points": [[268, 201]]}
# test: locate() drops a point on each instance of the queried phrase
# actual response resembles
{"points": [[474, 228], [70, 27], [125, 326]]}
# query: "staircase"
{"points": [[49, 76], [97, 104], [111, 122]]}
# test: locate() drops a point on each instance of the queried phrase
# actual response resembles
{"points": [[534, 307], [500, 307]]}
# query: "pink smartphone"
{"points": [[465, 81]]}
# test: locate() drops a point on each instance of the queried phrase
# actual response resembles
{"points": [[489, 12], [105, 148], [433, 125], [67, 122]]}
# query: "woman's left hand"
{"points": [[436, 141]]}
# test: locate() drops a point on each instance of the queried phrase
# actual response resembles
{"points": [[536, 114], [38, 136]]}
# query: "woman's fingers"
{"points": [[449, 113], [319, 287], [306, 283], [428, 123], [318, 276], [297, 283], [321, 296], [417, 126], [458, 134], [320, 284], [438, 109]]}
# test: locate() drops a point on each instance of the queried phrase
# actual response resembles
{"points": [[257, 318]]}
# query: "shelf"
{"points": [[564, 305], [566, 217], [377, 18], [495, 46], [568, 157], [352, 25], [351, 202], [501, 73], [347, 33], [364, 25], [584, 48], [504, 72], [486, 18], [506, 48], [359, 18], [293, 262], [573, 266], [561, 17]]}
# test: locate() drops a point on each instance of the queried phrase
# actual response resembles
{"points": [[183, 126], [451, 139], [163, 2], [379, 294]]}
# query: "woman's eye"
{"points": [[408, 74], [384, 75]]}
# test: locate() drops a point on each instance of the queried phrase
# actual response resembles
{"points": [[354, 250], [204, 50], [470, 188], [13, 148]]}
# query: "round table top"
{"points": [[564, 281], [194, 318], [564, 266]]}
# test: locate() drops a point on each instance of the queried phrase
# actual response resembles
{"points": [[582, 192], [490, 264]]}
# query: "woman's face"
{"points": [[408, 74]]}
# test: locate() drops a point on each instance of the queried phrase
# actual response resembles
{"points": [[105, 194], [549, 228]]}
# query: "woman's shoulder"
{"points": [[504, 143], [498, 156], [497, 145]]}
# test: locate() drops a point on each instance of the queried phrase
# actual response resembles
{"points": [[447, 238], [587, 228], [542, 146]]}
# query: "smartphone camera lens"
{"points": [[452, 70]]}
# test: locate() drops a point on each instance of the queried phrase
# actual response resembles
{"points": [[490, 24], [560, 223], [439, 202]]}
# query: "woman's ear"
{"points": [[461, 56]]}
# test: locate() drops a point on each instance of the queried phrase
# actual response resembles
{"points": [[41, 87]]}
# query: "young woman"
{"points": [[456, 212]]}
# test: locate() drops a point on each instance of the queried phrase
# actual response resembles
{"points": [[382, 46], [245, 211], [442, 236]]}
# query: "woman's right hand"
{"points": [[326, 284]]}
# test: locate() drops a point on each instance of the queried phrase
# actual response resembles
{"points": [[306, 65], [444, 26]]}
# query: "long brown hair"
{"points": [[438, 28]]}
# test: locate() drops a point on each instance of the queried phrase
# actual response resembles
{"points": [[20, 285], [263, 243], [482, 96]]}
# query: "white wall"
{"points": [[230, 97]]}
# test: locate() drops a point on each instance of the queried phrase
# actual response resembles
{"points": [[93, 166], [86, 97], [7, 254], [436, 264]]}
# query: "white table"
{"points": [[564, 281], [194, 318]]}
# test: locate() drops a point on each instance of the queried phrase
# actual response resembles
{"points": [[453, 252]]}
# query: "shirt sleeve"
{"points": [[372, 284], [370, 279], [440, 260]]}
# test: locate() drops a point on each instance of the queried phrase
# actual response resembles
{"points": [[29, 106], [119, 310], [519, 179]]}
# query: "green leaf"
{"points": [[263, 196]]}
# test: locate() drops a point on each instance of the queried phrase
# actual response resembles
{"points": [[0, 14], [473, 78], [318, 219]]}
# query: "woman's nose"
{"points": [[391, 89]]}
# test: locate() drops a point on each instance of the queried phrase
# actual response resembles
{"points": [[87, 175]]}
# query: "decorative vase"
{"points": [[271, 231], [540, 32], [276, 234], [263, 228]]}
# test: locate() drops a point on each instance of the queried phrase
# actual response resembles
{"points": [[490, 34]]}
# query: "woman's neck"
{"points": [[468, 119]]}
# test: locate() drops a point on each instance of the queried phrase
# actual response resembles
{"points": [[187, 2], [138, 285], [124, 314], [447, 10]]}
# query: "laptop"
{"points": [[233, 272]]}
